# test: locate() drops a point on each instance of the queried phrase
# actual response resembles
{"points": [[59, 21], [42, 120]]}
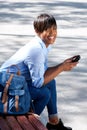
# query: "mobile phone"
{"points": [[76, 58]]}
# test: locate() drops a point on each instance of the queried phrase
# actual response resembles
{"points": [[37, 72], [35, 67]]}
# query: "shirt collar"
{"points": [[43, 44]]}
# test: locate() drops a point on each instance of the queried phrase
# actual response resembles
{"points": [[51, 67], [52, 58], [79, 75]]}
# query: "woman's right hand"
{"points": [[68, 64]]}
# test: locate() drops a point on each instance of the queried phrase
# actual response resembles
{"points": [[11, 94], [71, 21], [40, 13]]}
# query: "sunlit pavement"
{"points": [[16, 29]]}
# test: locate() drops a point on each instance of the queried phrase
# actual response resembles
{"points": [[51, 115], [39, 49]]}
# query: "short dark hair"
{"points": [[43, 22]]}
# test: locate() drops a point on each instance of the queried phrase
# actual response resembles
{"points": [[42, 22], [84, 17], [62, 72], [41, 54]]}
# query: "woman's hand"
{"points": [[68, 64]]}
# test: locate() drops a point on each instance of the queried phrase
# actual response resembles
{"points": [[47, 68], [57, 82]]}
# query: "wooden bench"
{"points": [[23, 122]]}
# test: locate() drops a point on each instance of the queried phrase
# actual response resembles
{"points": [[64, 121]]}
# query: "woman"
{"points": [[32, 60]]}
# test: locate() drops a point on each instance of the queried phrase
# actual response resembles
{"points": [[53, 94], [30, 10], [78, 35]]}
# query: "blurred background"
{"points": [[16, 30]]}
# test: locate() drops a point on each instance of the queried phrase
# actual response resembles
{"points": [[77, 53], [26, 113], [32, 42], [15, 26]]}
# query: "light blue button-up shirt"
{"points": [[32, 61]]}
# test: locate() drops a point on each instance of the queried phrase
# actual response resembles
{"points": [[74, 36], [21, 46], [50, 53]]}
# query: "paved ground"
{"points": [[16, 29]]}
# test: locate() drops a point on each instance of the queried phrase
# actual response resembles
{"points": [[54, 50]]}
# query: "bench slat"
{"points": [[3, 124], [24, 123], [36, 122], [13, 123]]}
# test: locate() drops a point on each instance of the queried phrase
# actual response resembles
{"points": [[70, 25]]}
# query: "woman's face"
{"points": [[49, 35]]}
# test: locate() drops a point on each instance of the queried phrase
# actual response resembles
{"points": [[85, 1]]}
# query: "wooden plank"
{"points": [[24, 123], [13, 123], [36, 123], [3, 124]]}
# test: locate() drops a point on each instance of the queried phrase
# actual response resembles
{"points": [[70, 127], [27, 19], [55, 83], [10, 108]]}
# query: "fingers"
{"points": [[68, 60], [69, 65]]}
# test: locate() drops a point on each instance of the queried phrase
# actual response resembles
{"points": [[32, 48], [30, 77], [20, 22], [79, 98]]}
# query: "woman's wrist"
{"points": [[61, 67]]}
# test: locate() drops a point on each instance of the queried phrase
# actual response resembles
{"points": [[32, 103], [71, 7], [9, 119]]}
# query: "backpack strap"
{"points": [[4, 96], [16, 102]]}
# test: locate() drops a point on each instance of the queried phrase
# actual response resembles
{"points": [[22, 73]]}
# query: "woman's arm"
{"points": [[52, 72]]}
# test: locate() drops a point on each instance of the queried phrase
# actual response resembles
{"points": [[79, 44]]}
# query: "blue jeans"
{"points": [[44, 96]]}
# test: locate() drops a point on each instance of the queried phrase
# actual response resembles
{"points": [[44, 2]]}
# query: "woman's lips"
{"points": [[51, 37]]}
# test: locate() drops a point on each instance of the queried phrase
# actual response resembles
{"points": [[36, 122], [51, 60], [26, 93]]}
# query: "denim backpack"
{"points": [[14, 94]]}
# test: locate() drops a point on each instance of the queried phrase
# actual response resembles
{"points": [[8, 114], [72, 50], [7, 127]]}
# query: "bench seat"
{"points": [[23, 122]]}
